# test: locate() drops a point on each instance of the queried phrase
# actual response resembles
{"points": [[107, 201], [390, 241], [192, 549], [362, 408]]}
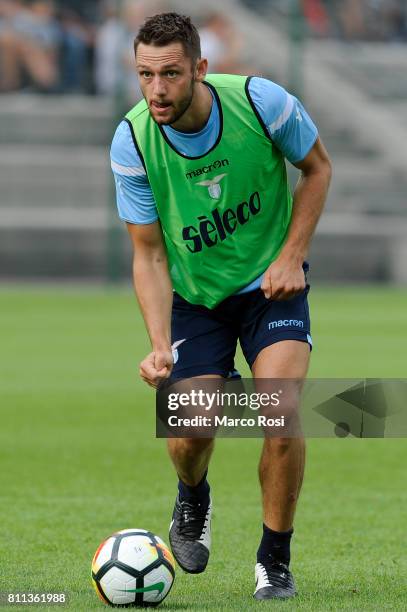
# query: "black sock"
{"points": [[274, 545], [198, 494]]}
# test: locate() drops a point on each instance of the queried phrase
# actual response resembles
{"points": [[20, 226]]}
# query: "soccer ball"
{"points": [[133, 567]]}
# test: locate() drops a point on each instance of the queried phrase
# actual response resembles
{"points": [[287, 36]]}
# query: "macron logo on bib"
{"points": [[286, 323]]}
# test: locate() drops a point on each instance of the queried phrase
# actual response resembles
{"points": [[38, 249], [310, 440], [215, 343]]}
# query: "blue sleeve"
{"points": [[134, 197], [289, 125]]}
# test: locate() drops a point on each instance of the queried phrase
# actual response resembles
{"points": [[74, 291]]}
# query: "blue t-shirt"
{"points": [[288, 123]]}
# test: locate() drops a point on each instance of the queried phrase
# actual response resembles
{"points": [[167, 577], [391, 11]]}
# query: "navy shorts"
{"points": [[204, 341]]}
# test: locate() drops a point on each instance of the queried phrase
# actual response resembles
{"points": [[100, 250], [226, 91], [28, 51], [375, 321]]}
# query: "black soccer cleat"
{"points": [[190, 535], [273, 581]]}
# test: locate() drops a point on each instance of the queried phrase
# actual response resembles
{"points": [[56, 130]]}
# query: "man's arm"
{"points": [[284, 278], [153, 288]]}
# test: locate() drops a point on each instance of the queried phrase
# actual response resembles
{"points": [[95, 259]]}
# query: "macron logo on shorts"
{"points": [[286, 323]]}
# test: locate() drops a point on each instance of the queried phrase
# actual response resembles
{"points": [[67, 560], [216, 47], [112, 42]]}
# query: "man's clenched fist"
{"points": [[156, 367], [283, 280]]}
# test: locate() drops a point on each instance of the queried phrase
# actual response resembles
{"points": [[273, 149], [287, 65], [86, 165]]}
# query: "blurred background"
{"points": [[67, 77]]}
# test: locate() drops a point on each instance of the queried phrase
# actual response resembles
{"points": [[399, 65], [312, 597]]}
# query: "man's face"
{"points": [[166, 79]]}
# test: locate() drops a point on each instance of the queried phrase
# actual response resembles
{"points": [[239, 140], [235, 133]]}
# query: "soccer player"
{"points": [[219, 255]]}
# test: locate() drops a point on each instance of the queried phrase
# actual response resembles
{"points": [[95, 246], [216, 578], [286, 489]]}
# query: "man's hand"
{"points": [[283, 280], [156, 367]]}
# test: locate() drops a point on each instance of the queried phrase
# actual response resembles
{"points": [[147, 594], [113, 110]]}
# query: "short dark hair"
{"points": [[167, 28]]}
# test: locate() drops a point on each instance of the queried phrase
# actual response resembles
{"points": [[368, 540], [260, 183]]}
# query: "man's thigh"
{"points": [[284, 359]]}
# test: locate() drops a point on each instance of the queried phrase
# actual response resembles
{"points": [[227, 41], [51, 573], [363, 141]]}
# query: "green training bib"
{"points": [[225, 214]]}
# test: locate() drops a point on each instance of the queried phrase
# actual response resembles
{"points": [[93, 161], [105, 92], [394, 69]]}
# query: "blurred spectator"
{"points": [[108, 49], [133, 15], [351, 15], [316, 16], [115, 49], [115, 69], [29, 42], [220, 44], [386, 19], [76, 58]]}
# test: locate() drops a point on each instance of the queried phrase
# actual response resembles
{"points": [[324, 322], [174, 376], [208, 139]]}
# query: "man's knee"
{"points": [[189, 447], [281, 446]]}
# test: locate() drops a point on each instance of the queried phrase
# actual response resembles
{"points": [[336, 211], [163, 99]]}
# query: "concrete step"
{"points": [[64, 253], [367, 186], [359, 248], [379, 69], [57, 218], [44, 175], [364, 186], [375, 205], [68, 120]]}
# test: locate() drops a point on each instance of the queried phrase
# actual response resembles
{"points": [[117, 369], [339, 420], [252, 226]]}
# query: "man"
{"points": [[201, 182]]}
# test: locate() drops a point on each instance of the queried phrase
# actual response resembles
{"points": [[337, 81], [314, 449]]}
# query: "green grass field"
{"points": [[79, 459]]}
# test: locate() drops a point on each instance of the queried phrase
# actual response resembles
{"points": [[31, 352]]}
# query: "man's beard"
{"points": [[183, 107]]}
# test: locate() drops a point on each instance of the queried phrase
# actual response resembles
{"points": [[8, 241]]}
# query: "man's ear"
{"points": [[201, 68]]}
